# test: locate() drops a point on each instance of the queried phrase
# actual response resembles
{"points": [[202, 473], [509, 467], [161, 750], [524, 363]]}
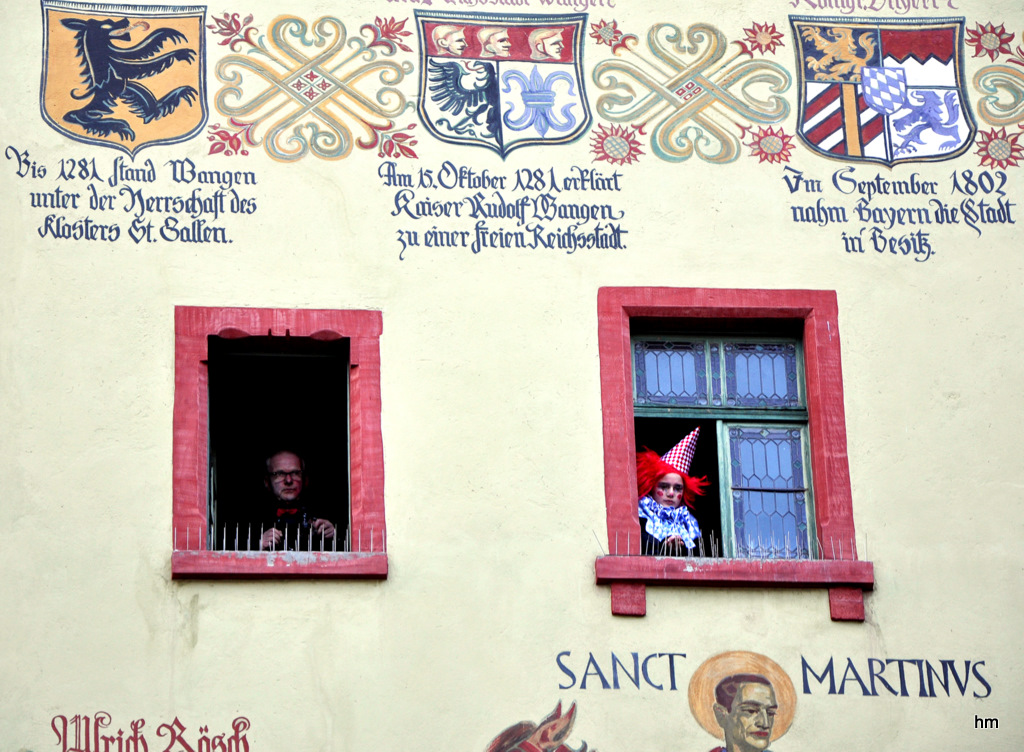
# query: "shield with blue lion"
{"points": [[502, 81], [123, 76], [887, 91]]}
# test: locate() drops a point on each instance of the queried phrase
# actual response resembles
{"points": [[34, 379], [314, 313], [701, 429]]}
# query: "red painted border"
{"points": [[625, 569], [192, 325]]}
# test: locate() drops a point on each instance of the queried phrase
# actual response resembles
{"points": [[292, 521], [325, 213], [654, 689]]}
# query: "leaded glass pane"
{"points": [[769, 497], [670, 373], [761, 375], [716, 373]]}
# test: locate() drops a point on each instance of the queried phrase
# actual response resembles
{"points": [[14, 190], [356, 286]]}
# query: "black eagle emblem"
{"points": [[469, 89]]}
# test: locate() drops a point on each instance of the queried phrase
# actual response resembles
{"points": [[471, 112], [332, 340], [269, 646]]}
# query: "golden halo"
{"points": [[702, 688]]}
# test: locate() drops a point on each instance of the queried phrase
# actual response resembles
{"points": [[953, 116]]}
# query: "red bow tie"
{"points": [[283, 512]]}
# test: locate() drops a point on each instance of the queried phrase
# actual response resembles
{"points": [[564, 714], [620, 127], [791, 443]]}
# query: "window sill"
{"points": [[227, 564], [846, 580]]}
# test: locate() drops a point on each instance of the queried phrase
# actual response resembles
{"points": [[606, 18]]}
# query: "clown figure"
{"points": [[666, 494]]}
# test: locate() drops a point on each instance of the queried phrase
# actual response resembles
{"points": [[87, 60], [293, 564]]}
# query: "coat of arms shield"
{"points": [[502, 81], [883, 92], [123, 76]]}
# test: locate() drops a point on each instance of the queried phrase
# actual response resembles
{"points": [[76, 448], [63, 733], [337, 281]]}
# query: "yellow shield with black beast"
{"points": [[124, 76]]}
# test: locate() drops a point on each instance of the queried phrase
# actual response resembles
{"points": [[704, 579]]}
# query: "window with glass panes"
{"points": [[747, 396], [743, 449]]}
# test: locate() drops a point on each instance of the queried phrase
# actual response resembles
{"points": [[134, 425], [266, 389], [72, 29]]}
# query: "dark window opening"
{"points": [[716, 327], [267, 394], [660, 435]]}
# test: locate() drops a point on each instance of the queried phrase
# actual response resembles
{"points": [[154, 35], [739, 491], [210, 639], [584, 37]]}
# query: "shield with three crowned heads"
{"points": [[885, 92], [123, 76], [502, 81]]}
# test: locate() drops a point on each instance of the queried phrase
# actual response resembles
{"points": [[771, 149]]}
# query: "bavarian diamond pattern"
{"points": [[884, 89]]}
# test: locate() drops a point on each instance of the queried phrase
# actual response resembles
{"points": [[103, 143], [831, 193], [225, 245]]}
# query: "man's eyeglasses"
{"points": [[282, 474]]}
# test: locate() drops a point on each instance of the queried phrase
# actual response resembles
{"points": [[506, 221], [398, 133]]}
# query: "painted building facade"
{"points": [[467, 259]]}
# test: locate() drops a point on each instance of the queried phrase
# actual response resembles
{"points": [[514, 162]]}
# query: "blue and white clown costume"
{"points": [[661, 522]]}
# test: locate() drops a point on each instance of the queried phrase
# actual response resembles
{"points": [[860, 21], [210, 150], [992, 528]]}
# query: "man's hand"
{"points": [[270, 539], [323, 528]]}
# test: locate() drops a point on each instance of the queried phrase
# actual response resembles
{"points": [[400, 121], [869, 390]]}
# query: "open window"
{"points": [[271, 393], [759, 371], [250, 382]]}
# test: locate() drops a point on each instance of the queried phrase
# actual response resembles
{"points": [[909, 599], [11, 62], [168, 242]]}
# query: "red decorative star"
{"points": [[770, 145], [999, 150], [609, 34], [761, 38], [616, 145], [989, 40]]}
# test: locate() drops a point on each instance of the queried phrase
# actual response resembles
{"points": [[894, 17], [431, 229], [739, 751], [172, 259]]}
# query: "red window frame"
{"points": [[190, 557], [625, 570]]}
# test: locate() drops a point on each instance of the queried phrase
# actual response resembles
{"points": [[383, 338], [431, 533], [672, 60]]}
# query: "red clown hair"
{"points": [[650, 468]]}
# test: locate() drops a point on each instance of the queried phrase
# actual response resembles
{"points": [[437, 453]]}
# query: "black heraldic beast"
{"points": [[111, 73]]}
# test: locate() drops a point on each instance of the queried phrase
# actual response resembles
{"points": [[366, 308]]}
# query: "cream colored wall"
{"points": [[493, 448]]}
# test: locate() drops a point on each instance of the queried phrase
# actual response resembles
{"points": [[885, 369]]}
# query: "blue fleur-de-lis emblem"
{"points": [[538, 98]]}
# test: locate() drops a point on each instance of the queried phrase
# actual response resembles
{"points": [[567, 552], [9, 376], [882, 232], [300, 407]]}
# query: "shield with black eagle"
{"points": [[502, 81]]}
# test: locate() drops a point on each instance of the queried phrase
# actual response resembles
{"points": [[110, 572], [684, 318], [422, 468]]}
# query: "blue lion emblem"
{"points": [[111, 73], [928, 116]]}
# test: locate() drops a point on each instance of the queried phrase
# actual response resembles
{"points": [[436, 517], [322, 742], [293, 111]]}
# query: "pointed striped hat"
{"points": [[681, 455]]}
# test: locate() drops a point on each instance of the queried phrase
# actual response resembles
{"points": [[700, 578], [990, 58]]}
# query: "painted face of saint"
{"points": [[748, 724], [668, 491]]}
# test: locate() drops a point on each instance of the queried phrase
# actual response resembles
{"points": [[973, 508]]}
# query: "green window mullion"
{"points": [[709, 380], [725, 491], [722, 380], [801, 386], [812, 519]]}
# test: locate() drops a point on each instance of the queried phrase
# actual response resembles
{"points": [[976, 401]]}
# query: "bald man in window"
{"points": [[291, 522]]}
